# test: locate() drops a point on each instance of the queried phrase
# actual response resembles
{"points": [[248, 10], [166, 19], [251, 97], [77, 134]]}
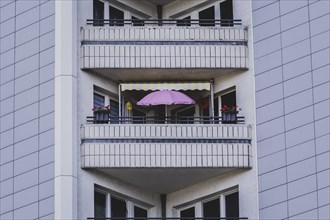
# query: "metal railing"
{"points": [[160, 22], [166, 218], [166, 120]]}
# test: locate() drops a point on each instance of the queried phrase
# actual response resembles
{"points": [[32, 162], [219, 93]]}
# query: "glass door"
{"points": [[188, 214]]}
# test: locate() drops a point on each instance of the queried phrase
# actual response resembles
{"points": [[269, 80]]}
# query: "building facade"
{"points": [[291, 53], [61, 59], [27, 32]]}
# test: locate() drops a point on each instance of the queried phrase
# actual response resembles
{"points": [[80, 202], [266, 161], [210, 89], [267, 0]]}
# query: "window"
{"points": [[232, 205], [138, 116], [225, 205], [207, 17], [188, 214], [98, 13], [226, 13], [116, 17], [100, 205], [108, 205], [102, 99], [228, 99], [98, 100], [140, 213], [184, 22], [118, 208], [114, 111], [137, 22], [186, 114], [211, 209]]}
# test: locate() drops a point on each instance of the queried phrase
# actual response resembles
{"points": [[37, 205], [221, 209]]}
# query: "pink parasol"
{"points": [[166, 97]]}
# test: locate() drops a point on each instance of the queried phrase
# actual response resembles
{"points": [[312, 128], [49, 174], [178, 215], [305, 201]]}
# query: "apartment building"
{"points": [[61, 59]]}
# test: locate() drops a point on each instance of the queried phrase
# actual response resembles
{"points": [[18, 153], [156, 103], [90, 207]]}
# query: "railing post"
{"points": [[119, 101], [212, 98]]}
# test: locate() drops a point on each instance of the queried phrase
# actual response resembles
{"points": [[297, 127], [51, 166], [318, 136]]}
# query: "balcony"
{"points": [[157, 48], [190, 153]]}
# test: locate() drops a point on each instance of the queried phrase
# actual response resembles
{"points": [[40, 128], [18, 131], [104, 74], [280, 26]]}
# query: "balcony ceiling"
{"points": [[166, 180], [161, 2], [143, 74]]}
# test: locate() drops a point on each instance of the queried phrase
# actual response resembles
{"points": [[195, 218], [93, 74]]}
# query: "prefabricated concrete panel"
{"points": [[27, 33], [292, 107]]}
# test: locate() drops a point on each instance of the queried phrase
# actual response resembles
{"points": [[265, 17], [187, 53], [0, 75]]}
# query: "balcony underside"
{"points": [[166, 180], [152, 74]]}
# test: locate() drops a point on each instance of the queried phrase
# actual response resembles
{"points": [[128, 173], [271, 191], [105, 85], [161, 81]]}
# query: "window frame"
{"points": [[222, 93], [198, 203], [130, 202], [107, 96]]}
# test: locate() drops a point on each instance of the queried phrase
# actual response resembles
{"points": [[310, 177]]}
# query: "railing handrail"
{"points": [[169, 218], [168, 120], [160, 22]]}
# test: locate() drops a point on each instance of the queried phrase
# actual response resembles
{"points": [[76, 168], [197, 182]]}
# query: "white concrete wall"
{"points": [[66, 129], [86, 193], [135, 155], [247, 180], [87, 179], [248, 198]]}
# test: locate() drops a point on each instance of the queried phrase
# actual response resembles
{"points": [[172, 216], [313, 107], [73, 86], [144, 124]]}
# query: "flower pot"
{"points": [[101, 117], [229, 118]]}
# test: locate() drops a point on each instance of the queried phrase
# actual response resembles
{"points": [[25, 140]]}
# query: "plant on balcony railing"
{"points": [[101, 114], [167, 120], [229, 114]]}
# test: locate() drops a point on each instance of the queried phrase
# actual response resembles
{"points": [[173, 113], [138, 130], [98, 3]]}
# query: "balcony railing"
{"points": [[194, 133], [160, 22], [165, 146], [166, 120], [176, 44], [166, 218]]}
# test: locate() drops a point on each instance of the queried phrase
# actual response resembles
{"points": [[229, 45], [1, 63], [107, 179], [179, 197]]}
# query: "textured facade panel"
{"points": [[159, 131], [302, 76], [168, 56], [163, 47], [165, 33], [162, 155], [22, 157]]}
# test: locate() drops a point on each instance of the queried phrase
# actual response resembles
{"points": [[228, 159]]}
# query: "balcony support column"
{"points": [[163, 204]]}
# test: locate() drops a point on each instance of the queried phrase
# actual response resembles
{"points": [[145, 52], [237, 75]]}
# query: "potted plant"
{"points": [[101, 114], [229, 114]]}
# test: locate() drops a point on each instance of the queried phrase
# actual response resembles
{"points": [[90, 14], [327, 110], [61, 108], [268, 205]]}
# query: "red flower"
{"points": [[230, 110]]}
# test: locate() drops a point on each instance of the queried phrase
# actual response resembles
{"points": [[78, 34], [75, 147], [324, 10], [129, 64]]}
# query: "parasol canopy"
{"points": [[166, 97]]}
